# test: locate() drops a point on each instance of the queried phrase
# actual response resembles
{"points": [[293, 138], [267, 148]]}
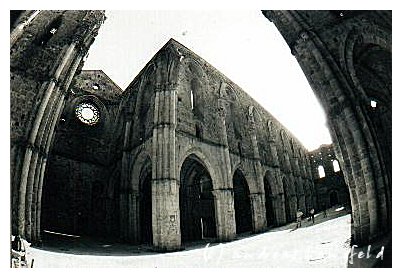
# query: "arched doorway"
{"points": [[197, 208], [242, 203], [145, 213], [269, 208], [333, 198]]}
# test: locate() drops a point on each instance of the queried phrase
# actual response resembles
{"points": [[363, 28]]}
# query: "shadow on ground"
{"points": [[112, 247]]}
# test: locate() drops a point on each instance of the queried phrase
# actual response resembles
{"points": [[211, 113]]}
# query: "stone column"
{"points": [[124, 191], [278, 198], [165, 188], [224, 214], [17, 32], [223, 193], [257, 199], [292, 188], [257, 202]]}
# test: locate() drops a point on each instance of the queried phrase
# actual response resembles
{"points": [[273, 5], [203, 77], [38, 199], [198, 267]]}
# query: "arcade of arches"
{"points": [[184, 154]]}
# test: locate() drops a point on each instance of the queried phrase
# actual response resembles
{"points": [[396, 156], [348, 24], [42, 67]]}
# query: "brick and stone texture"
{"points": [[347, 59], [184, 153], [79, 186], [47, 49], [216, 156]]}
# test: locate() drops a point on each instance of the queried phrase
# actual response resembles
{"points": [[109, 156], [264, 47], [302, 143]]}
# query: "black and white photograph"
{"points": [[200, 138]]}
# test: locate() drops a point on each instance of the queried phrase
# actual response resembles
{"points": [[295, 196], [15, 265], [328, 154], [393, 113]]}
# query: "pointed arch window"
{"points": [[321, 171], [192, 99], [335, 164]]}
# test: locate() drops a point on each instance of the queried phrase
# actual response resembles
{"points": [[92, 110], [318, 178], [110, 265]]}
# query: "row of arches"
{"points": [[198, 219]]}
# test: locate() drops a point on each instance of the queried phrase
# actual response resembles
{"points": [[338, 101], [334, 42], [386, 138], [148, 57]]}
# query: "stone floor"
{"points": [[324, 244]]}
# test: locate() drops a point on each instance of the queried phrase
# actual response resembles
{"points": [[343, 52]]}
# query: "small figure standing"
{"points": [[312, 214], [325, 211], [299, 215]]}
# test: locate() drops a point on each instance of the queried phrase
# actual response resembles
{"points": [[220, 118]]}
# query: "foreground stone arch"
{"points": [[323, 43]]}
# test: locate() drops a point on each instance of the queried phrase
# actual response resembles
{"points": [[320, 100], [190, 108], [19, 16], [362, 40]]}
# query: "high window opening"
{"points": [[335, 163], [321, 171], [198, 131], [50, 31], [192, 99]]}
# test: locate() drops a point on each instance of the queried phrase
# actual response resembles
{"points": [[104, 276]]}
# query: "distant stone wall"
{"points": [[330, 189]]}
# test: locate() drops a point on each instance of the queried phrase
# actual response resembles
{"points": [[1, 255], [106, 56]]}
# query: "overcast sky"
{"points": [[241, 44]]}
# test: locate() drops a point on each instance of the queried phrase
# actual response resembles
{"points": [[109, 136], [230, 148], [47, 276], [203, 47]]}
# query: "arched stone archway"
{"points": [[347, 63], [197, 206], [242, 204]]}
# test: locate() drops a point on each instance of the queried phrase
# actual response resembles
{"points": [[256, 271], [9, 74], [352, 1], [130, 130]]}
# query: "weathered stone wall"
{"points": [[178, 107], [80, 164], [346, 57], [46, 50]]}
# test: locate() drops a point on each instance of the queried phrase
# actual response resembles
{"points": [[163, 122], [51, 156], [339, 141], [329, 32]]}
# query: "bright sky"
{"points": [[241, 44]]}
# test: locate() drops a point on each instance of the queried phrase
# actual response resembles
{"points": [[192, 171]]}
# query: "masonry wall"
{"points": [[79, 194], [178, 107], [46, 50], [347, 59]]}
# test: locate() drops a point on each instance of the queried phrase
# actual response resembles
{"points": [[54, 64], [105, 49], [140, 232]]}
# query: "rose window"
{"points": [[87, 113]]}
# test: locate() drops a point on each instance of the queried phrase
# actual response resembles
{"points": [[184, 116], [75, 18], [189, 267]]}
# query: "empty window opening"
{"points": [[50, 32], [321, 172], [198, 131], [192, 99], [239, 147], [335, 163]]}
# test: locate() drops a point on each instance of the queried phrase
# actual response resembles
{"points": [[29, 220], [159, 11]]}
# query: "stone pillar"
{"points": [[257, 202], [124, 189], [17, 32], [223, 193], [165, 188], [257, 199], [278, 199], [291, 189], [133, 217], [224, 214]]}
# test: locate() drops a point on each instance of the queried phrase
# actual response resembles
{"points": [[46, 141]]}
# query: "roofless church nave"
{"points": [[183, 153]]}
